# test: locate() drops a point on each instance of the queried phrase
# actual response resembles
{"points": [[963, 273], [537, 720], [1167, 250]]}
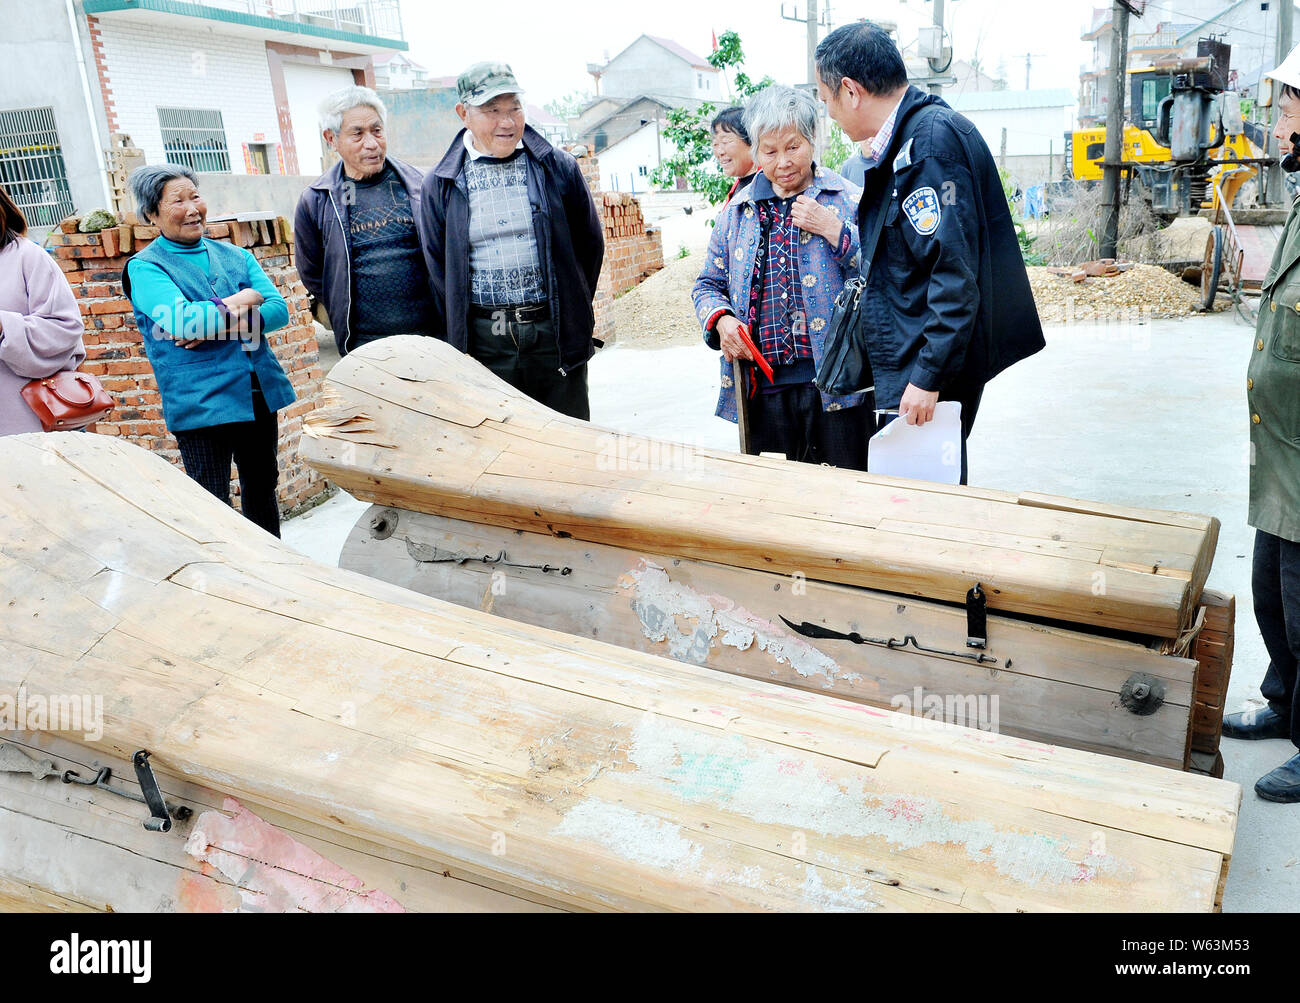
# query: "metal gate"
{"points": [[31, 165], [196, 138]]}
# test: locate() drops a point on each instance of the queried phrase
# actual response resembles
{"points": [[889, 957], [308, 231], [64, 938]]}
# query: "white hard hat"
{"points": [[1289, 71]]}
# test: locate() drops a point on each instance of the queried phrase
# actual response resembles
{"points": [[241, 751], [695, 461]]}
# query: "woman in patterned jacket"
{"points": [[780, 253]]}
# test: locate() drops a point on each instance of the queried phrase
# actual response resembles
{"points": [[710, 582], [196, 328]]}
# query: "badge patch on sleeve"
{"points": [[922, 208]]}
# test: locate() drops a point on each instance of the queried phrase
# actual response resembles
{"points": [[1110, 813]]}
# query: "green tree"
{"points": [[838, 148], [688, 128], [570, 105]]}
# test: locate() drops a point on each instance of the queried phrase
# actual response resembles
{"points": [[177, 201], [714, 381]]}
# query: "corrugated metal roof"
{"points": [[1050, 97]]}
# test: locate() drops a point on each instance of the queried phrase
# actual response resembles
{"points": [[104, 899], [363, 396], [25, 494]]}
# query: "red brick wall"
{"points": [[93, 263], [633, 251], [101, 68]]}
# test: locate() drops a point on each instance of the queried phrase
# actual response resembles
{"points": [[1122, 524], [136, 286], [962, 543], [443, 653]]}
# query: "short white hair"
{"points": [[777, 107], [338, 104]]}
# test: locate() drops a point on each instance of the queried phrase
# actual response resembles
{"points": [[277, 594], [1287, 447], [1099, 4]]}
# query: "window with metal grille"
{"points": [[195, 137], [31, 165]]}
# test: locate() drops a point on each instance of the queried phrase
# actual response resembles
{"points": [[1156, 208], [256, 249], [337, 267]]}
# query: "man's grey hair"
{"points": [[778, 107], [338, 104], [147, 184]]}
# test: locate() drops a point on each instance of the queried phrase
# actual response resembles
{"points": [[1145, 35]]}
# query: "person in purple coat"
{"points": [[40, 324]]}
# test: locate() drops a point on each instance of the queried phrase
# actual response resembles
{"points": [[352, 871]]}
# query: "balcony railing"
{"points": [[377, 18], [1164, 38]]}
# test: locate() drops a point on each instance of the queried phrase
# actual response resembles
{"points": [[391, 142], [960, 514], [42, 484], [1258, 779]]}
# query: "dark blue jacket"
{"points": [[948, 300], [322, 252], [570, 241]]}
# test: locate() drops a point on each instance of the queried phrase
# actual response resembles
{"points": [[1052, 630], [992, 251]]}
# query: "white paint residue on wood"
{"points": [[658, 601], [732, 774], [847, 898], [633, 835]]}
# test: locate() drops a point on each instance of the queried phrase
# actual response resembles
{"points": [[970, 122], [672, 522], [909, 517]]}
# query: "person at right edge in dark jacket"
{"points": [[948, 300], [514, 246]]}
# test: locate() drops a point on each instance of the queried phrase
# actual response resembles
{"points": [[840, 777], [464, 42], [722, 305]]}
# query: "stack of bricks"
{"points": [[633, 251], [93, 264]]}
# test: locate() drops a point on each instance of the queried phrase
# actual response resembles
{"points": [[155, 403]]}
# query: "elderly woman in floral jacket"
{"points": [[780, 253]]}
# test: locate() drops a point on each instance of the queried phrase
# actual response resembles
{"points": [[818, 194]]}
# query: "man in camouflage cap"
{"points": [[514, 246]]}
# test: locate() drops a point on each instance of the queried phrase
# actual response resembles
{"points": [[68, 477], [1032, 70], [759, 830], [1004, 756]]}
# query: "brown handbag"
{"points": [[68, 400]]}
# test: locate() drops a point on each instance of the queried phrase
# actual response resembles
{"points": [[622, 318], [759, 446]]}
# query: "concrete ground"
{"points": [[1149, 414]]}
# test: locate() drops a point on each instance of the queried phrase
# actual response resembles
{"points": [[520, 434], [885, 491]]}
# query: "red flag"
{"points": [[715, 41]]}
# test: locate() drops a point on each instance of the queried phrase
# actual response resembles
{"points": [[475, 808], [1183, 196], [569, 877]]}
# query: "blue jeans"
{"points": [[1275, 585]]}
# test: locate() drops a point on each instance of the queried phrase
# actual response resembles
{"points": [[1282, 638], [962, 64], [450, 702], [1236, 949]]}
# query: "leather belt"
{"points": [[514, 314]]}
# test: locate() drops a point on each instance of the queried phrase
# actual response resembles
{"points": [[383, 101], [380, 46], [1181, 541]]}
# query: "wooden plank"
{"points": [[561, 769], [489, 454], [73, 844], [1213, 650], [1044, 683]]}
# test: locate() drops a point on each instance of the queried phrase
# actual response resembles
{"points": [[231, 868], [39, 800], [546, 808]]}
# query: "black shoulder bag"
{"points": [[846, 367]]}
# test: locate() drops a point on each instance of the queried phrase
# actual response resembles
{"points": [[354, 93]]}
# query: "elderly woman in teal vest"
{"points": [[204, 308]]}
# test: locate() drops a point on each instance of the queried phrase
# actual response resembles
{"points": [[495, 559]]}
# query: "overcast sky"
{"points": [[550, 44]]}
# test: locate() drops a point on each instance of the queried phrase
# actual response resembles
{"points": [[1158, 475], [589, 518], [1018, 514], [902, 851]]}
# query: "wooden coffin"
{"points": [[69, 847], [559, 770], [417, 425], [1033, 681]]}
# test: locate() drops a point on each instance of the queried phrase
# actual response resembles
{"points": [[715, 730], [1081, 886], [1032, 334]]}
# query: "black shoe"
{"points": [[1258, 722], [1282, 784]]}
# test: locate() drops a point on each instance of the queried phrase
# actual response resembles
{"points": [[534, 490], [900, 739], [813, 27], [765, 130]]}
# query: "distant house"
{"points": [[970, 79], [547, 124], [1035, 122], [399, 72], [661, 68], [629, 142]]}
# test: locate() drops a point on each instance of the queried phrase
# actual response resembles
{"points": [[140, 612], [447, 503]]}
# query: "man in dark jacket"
{"points": [[948, 300], [356, 243], [514, 246]]}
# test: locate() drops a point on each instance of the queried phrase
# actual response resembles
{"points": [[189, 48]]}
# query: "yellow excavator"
{"points": [[1185, 141]]}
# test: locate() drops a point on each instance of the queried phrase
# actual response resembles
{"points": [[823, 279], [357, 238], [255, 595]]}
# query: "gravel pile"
{"points": [[1144, 292], [659, 312]]}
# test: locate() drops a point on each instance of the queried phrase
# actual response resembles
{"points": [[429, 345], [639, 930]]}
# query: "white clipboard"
{"points": [[929, 452]]}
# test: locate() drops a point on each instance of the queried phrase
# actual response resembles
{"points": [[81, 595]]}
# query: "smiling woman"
{"points": [[202, 308], [731, 148]]}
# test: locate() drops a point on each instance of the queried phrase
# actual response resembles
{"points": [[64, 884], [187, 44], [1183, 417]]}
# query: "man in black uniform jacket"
{"points": [[948, 300]]}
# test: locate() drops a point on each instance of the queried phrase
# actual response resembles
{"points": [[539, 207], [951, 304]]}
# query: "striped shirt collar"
{"points": [[880, 141]]}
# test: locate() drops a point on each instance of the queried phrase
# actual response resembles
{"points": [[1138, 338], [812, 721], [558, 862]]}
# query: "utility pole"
{"points": [[1285, 13], [1029, 58], [935, 86], [1114, 130], [813, 24]]}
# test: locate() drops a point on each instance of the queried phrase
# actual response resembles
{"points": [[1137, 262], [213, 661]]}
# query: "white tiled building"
{"points": [[223, 86]]}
